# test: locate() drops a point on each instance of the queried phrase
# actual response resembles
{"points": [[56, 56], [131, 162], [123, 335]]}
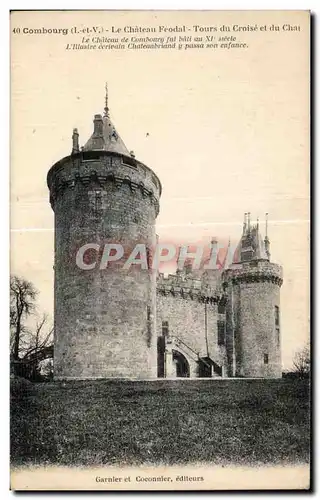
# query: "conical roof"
{"points": [[251, 245], [105, 137], [228, 260], [260, 248]]}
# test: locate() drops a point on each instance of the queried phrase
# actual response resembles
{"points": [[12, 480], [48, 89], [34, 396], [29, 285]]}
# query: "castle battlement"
{"points": [[254, 271], [103, 321], [101, 168], [139, 325], [188, 287]]}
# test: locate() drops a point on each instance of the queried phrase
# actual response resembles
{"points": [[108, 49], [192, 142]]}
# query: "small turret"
{"points": [[266, 239], [188, 265], [75, 142], [252, 286], [228, 258], [98, 126], [251, 245], [244, 223]]}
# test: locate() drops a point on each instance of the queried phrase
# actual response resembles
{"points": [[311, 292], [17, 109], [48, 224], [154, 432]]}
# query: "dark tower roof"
{"points": [[105, 137], [251, 246]]}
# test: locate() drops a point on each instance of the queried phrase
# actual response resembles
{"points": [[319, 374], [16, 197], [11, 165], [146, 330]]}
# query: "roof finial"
{"points": [[106, 109], [249, 221], [214, 240], [244, 223], [266, 240], [258, 223], [267, 225]]}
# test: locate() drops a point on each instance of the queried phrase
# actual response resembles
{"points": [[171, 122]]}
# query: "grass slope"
{"points": [[161, 422]]}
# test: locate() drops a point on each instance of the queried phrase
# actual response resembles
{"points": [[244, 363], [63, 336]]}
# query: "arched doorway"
{"points": [[181, 363]]}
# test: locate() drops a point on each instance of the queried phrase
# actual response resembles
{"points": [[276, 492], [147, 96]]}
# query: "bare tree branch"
{"points": [[302, 362], [22, 298]]}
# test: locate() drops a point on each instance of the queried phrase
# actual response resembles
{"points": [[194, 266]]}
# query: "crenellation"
{"points": [[137, 323], [60, 179], [188, 287]]}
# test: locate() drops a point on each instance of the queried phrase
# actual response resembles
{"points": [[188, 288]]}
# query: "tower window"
{"points": [[278, 336], [221, 308], [149, 258], [95, 200], [277, 315], [91, 155], [221, 332], [266, 359], [149, 324], [130, 162], [165, 328], [98, 202]]}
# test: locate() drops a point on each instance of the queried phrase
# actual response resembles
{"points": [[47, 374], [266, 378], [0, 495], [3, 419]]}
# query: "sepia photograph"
{"points": [[160, 243]]}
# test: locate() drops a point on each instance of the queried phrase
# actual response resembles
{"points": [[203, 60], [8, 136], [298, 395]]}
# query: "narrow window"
{"points": [[149, 325], [276, 315], [131, 162], [266, 359], [221, 332], [96, 202], [91, 155], [149, 258], [278, 336], [221, 308], [165, 328]]}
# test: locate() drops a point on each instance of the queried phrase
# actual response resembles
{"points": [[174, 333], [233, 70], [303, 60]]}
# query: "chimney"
{"points": [[75, 141], [98, 126]]}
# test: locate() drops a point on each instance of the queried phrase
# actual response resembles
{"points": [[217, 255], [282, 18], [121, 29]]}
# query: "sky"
{"points": [[226, 131]]}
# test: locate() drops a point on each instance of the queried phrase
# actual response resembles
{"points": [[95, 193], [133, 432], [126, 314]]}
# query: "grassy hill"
{"points": [[162, 422]]}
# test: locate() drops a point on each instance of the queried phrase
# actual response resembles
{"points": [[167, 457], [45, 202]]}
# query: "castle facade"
{"points": [[136, 323]]}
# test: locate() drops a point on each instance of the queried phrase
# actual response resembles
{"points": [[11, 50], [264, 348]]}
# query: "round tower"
{"points": [[105, 204], [252, 284]]}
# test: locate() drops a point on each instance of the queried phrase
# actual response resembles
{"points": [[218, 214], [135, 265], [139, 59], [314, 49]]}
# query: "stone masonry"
{"points": [[104, 319], [112, 322]]}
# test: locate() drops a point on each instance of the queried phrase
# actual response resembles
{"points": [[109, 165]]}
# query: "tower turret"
{"points": [[252, 284], [266, 239], [75, 141], [104, 312]]}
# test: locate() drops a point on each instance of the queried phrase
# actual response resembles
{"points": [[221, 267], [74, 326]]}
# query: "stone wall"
{"points": [[104, 318], [192, 317], [257, 330], [253, 343], [108, 321]]}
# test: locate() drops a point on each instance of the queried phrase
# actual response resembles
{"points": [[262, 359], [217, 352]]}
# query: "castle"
{"points": [[136, 323]]}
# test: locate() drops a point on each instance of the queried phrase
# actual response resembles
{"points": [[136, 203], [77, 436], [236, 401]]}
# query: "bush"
{"points": [[19, 385]]}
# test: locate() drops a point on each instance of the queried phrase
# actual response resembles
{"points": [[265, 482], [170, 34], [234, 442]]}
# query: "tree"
{"points": [[29, 346], [302, 362], [36, 340], [22, 299], [36, 349]]}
